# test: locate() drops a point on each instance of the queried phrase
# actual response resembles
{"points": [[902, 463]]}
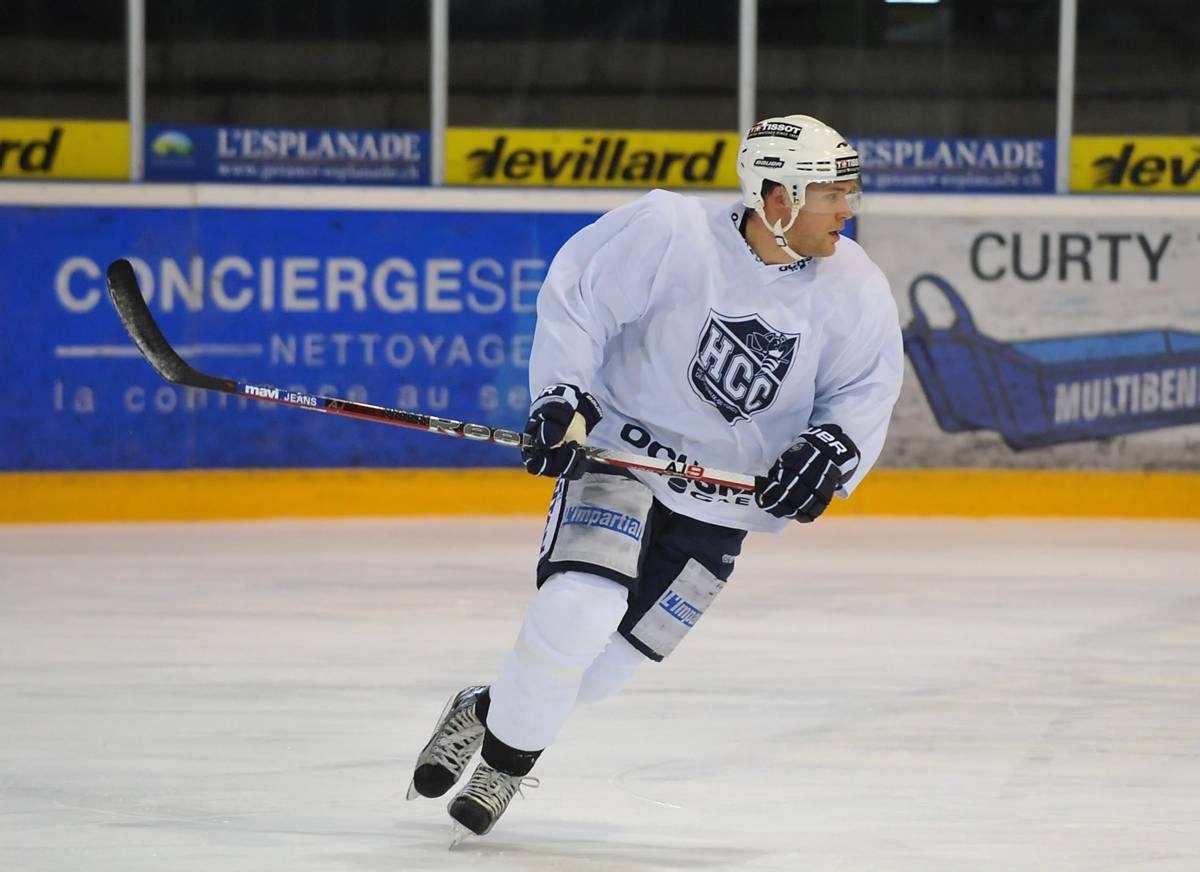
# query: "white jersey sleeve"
{"points": [[599, 281], [858, 386]]}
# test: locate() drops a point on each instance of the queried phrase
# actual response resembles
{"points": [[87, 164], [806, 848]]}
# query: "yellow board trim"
{"points": [[40, 497], [1026, 493]]}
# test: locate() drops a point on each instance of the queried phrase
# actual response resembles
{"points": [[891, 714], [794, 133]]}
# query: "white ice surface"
{"points": [[865, 695]]}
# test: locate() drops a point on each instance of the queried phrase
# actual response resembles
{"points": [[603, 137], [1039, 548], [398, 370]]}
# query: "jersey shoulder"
{"points": [[686, 224], [642, 223], [656, 212], [862, 291], [668, 207], [851, 265]]}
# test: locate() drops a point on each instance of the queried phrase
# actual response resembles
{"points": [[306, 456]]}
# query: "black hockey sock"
{"points": [[506, 758], [482, 705]]}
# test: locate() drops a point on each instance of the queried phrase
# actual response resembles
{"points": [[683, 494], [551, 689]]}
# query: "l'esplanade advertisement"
{"points": [[34, 148], [307, 156]]}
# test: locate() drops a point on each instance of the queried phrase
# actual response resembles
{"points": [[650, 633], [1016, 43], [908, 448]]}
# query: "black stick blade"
{"points": [[135, 315]]}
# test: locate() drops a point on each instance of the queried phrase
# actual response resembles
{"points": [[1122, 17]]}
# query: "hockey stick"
{"points": [[135, 315]]}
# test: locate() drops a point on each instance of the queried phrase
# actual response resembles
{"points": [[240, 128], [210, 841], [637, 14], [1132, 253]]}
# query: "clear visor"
{"points": [[833, 197]]}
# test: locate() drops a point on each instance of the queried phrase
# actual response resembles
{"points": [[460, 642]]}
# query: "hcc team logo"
{"points": [[740, 364]]}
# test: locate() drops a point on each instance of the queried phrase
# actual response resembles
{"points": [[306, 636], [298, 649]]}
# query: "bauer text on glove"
{"points": [[803, 480]]}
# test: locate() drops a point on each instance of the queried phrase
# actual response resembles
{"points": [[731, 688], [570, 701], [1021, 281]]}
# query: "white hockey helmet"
{"points": [[794, 151]]}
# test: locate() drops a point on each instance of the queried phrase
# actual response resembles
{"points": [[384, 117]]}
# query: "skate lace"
{"points": [[494, 789], [458, 746]]}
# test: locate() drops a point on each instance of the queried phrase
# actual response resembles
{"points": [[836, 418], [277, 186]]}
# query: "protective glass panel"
{"points": [[62, 60], [625, 64], [1137, 68], [281, 63], [970, 68]]}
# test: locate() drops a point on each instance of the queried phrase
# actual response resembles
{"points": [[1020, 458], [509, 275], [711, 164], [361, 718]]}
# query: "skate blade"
{"points": [[458, 834], [412, 791]]}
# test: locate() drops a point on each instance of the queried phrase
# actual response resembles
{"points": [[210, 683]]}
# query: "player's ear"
{"points": [[779, 197]]}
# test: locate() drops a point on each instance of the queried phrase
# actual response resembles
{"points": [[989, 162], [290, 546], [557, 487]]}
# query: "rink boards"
{"points": [[1053, 349]]}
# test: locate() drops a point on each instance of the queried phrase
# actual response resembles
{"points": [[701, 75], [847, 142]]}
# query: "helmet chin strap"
{"points": [[778, 232]]}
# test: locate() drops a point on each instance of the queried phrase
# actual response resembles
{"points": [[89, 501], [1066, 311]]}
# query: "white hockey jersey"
{"points": [[698, 351]]}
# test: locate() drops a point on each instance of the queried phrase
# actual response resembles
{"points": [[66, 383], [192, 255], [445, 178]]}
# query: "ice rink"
{"points": [[866, 694]]}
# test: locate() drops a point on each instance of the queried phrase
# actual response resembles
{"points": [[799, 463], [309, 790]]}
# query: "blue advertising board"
{"points": [[195, 153], [957, 165], [427, 311]]}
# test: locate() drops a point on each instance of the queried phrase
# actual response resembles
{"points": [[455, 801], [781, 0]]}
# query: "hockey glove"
{"points": [[803, 480], [559, 421]]}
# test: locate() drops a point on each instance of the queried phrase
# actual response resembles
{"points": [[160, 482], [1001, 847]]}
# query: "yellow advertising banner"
{"points": [[1138, 164], [591, 158], [33, 148]]}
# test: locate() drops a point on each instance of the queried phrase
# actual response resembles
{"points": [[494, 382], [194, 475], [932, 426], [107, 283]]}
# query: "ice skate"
{"points": [[479, 805], [457, 737]]}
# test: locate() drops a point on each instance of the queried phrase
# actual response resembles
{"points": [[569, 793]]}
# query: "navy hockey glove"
{"points": [[559, 421], [803, 480]]}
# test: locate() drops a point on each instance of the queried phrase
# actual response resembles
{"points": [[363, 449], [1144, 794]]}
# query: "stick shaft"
{"points": [[139, 323]]}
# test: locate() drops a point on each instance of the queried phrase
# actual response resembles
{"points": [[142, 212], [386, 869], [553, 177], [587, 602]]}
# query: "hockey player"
{"points": [[753, 338]]}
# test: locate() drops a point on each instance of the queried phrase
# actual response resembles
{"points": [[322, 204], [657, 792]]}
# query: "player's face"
{"points": [[827, 207]]}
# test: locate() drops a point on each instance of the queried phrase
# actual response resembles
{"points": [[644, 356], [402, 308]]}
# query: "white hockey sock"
{"points": [[566, 627], [610, 671]]}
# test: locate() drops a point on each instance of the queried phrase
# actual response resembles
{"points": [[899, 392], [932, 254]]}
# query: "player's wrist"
{"points": [[590, 410], [560, 418], [564, 402]]}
